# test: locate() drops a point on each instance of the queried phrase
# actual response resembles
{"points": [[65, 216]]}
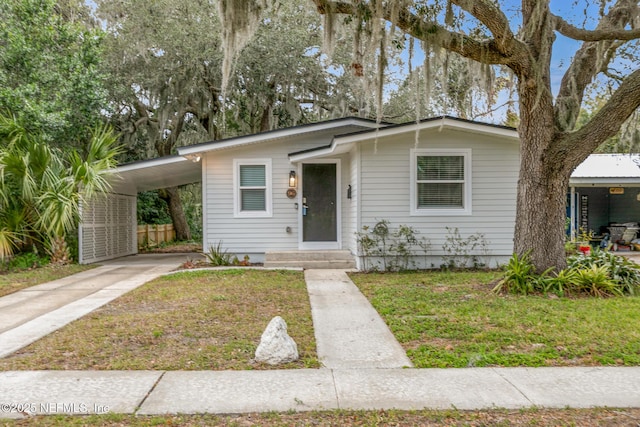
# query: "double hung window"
{"points": [[441, 182], [252, 183]]}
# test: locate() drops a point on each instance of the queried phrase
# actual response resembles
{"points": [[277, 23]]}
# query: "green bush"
{"points": [[218, 256], [599, 274], [595, 281], [519, 276], [558, 283], [625, 273], [26, 260], [392, 249]]}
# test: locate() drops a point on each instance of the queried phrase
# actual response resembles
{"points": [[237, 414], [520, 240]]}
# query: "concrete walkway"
{"points": [[360, 356], [349, 331]]}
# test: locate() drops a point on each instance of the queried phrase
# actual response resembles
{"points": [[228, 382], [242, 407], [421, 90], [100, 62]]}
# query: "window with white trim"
{"points": [[441, 182], [252, 188]]}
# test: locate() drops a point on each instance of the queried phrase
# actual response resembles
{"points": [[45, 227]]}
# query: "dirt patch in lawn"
{"points": [[173, 248]]}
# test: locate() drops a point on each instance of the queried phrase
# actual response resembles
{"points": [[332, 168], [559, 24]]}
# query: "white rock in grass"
{"points": [[276, 346]]}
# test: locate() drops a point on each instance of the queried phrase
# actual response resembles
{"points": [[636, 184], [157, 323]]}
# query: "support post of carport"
{"points": [[572, 213]]}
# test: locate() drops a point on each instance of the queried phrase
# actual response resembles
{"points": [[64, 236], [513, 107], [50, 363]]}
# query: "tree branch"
{"points": [[568, 30], [500, 51], [592, 58], [494, 19], [576, 146]]}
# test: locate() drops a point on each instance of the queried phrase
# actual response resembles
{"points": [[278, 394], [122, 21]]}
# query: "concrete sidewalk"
{"points": [[30, 314], [225, 392], [363, 367]]}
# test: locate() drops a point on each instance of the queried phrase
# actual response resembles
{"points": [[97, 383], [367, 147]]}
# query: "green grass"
{"points": [[452, 319], [209, 320], [14, 281], [453, 417]]}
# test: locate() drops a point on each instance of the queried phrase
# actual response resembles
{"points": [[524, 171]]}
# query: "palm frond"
{"points": [[8, 243]]}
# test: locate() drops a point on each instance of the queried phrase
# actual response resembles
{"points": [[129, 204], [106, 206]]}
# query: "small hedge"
{"points": [[598, 274]]}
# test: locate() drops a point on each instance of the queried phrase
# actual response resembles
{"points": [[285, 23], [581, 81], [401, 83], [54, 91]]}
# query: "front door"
{"points": [[319, 205]]}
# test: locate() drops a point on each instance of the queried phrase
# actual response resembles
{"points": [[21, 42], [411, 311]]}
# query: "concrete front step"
{"points": [[310, 259]]}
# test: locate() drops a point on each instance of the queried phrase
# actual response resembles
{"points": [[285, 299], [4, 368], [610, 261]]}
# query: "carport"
{"points": [[108, 225], [605, 192]]}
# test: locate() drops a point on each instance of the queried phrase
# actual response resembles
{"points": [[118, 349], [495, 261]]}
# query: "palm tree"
{"points": [[41, 189]]}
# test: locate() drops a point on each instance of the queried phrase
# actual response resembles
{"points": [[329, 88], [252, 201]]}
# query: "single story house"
{"points": [[604, 194], [314, 188]]}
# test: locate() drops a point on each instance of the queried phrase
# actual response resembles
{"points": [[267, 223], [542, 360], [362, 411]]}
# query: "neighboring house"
{"points": [[605, 193], [314, 187]]}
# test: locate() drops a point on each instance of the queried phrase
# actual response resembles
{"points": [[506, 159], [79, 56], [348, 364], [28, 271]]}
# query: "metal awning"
{"points": [[163, 172], [607, 170]]}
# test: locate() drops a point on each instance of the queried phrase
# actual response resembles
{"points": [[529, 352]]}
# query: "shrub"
{"points": [[519, 276], [394, 248], [218, 256], [595, 281], [28, 260], [622, 271], [462, 252], [599, 274], [560, 283]]}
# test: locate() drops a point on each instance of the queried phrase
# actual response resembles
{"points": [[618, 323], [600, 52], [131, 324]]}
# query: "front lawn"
{"points": [[199, 320], [212, 320], [452, 319]]}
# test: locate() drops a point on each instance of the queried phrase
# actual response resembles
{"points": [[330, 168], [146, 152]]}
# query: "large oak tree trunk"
{"points": [[543, 182], [540, 221], [171, 195]]}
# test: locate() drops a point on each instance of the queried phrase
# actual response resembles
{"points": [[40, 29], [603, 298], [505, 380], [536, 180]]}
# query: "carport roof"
{"points": [[163, 172], [607, 170]]}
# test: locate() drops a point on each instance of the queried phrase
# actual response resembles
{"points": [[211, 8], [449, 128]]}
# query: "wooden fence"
{"points": [[153, 235]]}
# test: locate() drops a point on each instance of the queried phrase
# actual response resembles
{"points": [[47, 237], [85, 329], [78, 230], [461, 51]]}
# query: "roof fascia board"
{"points": [[322, 152], [603, 182], [444, 123], [149, 163], [275, 134]]}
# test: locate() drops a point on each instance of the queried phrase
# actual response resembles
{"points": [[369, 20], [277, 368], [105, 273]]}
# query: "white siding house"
{"points": [[275, 221], [320, 186], [386, 184], [351, 174]]}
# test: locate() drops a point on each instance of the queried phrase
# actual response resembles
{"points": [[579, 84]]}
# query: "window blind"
{"points": [[440, 181], [253, 183], [252, 176], [253, 200], [440, 168]]}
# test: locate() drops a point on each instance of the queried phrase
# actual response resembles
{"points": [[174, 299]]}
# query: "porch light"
{"points": [[195, 158], [293, 182]]}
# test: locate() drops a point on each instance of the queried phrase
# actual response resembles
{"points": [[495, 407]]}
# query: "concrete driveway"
{"points": [[29, 314]]}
